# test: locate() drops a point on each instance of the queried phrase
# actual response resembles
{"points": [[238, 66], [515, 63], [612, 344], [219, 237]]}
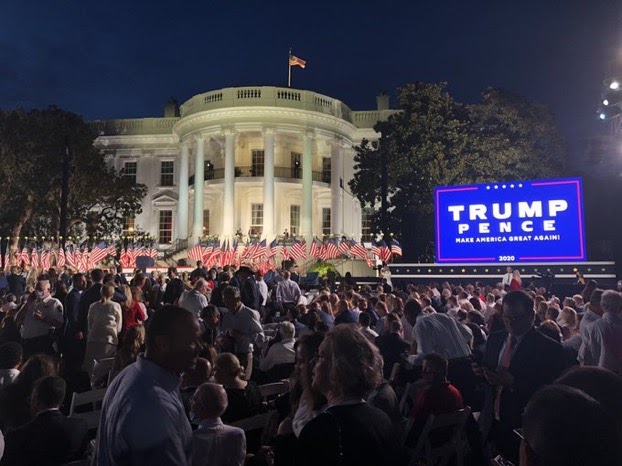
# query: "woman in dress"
{"points": [[105, 321], [516, 283]]}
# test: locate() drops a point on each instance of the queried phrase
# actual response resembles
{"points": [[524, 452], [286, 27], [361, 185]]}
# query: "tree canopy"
{"points": [[437, 141], [32, 144]]}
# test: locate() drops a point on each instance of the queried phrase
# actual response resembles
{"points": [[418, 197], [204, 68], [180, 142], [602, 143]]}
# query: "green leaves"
{"points": [[437, 141]]}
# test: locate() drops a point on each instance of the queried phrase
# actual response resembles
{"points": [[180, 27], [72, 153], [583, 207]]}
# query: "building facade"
{"points": [[250, 161]]}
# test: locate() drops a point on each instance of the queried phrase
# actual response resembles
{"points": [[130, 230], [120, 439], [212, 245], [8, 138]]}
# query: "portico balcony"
{"points": [[258, 172]]}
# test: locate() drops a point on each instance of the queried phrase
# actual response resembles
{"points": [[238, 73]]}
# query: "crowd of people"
{"points": [[537, 376]]}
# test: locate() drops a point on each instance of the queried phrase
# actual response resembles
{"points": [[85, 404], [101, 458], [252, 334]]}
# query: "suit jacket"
{"points": [[49, 439], [88, 297], [537, 361], [393, 348]]}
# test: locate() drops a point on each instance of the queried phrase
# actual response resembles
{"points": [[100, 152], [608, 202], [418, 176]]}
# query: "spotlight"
{"points": [[615, 85]]}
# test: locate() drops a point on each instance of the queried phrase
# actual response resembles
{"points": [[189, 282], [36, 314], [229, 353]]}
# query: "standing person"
{"points": [[91, 295], [39, 318], [174, 288], [71, 346], [517, 282], [241, 327], [199, 272], [105, 321], [143, 419], [288, 291], [17, 282], [134, 311], [507, 278], [604, 336], [593, 313], [195, 300], [517, 362]]}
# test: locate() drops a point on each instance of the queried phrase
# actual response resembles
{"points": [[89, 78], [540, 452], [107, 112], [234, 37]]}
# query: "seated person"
{"points": [[281, 352], [50, 438], [215, 443], [191, 380], [437, 396], [10, 361], [244, 398]]}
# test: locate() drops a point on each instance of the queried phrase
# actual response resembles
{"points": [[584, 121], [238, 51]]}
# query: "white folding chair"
{"points": [[87, 405], [273, 389], [266, 422], [101, 372]]}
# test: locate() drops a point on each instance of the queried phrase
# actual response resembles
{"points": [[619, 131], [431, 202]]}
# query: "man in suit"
{"points": [[393, 347], [518, 361], [50, 438]]}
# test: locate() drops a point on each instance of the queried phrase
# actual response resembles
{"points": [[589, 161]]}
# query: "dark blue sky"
{"points": [[125, 58]]}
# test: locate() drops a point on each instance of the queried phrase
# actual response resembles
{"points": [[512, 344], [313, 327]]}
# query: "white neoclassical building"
{"points": [[249, 160]]}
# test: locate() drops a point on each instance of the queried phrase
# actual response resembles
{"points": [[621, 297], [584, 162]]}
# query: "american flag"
{"points": [[70, 258], [358, 250], [153, 253], [207, 254], [24, 257], [315, 250], [332, 251], [45, 259], [323, 252], [98, 254], [396, 248], [124, 259], [260, 250], [196, 253], [60, 258], [375, 249], [298, 250], [34, 258], [271, 249], [295, 61], [385, 252], [285, 253], [343, 248]]}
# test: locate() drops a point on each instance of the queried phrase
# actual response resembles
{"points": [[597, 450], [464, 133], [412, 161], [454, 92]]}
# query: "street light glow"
{"points": [[615, 85], [605, 102]]}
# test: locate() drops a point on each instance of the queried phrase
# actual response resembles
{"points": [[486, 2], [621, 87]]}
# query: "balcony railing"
{"points": [[258, 172]]}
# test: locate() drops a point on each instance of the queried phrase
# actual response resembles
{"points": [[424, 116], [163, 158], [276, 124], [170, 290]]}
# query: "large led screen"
{"points": [[516, 221]]}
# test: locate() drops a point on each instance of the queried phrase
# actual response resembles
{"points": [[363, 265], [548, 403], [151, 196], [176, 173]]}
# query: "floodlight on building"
{"points": [[615, 85]]}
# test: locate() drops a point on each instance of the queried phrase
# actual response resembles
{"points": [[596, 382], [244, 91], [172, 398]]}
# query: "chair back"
{"points": [[88, 405], [266, 422], [101, 372], [273, 389], [452, 425]]}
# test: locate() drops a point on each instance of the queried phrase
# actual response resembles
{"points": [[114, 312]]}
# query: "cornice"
{"points": [[136, 140]]}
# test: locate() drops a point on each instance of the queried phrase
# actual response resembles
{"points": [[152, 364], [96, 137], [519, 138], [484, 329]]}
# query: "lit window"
{"points": [[166, 173], [256, 219], [165, 230], [257, 163], [326, 221], [366, 224], [129, 225], [294, 219], [206, 222]]}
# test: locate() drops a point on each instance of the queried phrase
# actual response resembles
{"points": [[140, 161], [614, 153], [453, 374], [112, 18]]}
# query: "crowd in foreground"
{"points": [[537, 377]]}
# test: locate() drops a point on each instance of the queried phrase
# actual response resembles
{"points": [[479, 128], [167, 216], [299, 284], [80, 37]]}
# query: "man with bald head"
{"points": [[215, 443], [143, 419]]}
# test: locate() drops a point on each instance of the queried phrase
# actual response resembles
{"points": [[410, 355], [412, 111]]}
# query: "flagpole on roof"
{"points": [[289, 68]]}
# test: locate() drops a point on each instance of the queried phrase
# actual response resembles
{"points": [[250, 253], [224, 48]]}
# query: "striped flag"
{"points": [[385, 252], [285, 253], [396, 248], [298, 250], [34, 258], [45, 259], [343, 248], [315, 250], [98, 254], [375, 249], [60, 258], [295, 61], [271, 252], [323, 252], [332, 251], [260, 250], [196, 253], [70, 259], [24, 257], [358, 250]]}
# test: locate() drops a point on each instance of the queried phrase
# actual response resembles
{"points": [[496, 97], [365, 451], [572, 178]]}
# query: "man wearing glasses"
{"points": [[518, 361]]}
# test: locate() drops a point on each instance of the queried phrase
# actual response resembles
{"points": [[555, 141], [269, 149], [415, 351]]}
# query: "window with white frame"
{"points": [[167, 174], [366, 223], [129, 171], [256, 219], [326, 221], [294, 219], [129, 225], [165, 227], [257, 162], [326, 169]]}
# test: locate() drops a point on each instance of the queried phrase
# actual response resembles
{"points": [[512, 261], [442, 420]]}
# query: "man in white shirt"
{"points": [[214, 442], [604, 337], [41, 315], [593, 313], [263, 289], [195, 300], [288, 291], [281, 352], [507, 278]]}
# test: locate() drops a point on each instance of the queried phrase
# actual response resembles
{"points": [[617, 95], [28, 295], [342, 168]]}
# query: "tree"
{"points": [[437, 141], [31, 148]]}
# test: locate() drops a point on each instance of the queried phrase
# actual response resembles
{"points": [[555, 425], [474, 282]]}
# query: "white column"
{"points": [[182, 203], [336, 192], [227, 213], [268, 184], [306, 222], [199, 183]]}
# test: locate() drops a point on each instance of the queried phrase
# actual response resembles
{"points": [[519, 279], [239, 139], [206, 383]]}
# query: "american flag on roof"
{"points": [[296, 61]]}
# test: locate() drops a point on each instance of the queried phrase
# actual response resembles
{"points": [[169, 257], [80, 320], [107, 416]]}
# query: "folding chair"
{"points": [[273, 389], [265, 422], [456, 446], [101, 372], [87, 405]]}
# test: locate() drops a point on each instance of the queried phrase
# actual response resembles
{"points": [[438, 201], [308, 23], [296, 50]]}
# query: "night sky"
{"points": [[120, 59]]}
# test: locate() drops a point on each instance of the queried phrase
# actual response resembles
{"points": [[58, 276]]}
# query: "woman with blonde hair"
{"points": [[105, 321], [134, 311], [349, 431], [517, 282]]}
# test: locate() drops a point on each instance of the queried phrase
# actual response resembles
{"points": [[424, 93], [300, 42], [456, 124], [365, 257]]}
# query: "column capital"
{"points": [[228, 131], [268, 130], [311, 134], [198, 138]]}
